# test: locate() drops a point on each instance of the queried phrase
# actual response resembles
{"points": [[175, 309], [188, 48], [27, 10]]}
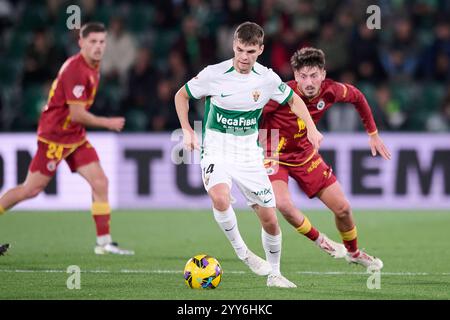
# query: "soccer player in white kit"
{"points": [[236, 90]]}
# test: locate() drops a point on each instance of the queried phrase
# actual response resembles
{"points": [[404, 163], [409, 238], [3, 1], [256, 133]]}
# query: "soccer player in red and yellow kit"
{"points": [[62, 134], [295, 156]]}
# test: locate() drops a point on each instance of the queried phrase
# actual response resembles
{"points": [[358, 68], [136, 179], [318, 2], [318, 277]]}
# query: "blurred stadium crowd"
{"points": [[154, 47]]}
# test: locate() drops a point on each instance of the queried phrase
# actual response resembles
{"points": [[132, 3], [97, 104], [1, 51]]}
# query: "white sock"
{"points": [[272, 247], [104, 239], [228, 223]]}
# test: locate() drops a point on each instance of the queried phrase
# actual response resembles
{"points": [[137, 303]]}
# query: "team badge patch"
{"points": [[256, 95], [320, 105], [78, 91], [51, 165], [282, 87]]}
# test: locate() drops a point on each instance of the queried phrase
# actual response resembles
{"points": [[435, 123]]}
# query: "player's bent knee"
{"points": [[268, 218], [285, 206], [100, 184], [220, 201], [343, 210]]}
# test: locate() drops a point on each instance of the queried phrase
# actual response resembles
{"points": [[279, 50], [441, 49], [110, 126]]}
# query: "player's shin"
{"points": [[272, 247], [2, 210], [101, 213], [228, 223]]}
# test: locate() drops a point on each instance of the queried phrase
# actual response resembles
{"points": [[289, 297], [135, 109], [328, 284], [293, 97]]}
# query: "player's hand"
{"points": [[190, 141], [315, 137], [377, 145], [116, 123]]}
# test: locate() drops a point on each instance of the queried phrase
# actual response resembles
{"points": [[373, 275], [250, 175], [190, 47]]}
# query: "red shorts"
{"points": [[312, 177], [49, 156]]}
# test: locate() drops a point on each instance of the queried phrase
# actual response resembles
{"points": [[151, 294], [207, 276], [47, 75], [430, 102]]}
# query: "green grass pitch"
{"points": [[414, 247]]}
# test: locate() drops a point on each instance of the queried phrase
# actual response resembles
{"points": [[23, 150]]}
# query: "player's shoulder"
{"points": [[334, 90], [328, 83], [330, 86], [263, 71], [219, 68], [292, 84], [73, 65]]}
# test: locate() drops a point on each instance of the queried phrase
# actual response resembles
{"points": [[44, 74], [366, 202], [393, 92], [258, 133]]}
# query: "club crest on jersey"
{"points": [[256, 95], [78, 91], [51, 165], [320, 105]]}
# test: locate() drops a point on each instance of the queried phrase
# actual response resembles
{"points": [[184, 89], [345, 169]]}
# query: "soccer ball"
{"points": [[202, 272]]}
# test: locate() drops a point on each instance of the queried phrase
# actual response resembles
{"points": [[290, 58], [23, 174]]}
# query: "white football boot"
{"points": [[112, 248], [362, 258], [258, 265], [334, 249], [277, 280]]}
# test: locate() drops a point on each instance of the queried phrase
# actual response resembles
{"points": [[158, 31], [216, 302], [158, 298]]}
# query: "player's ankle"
{"points": [[104, 239]]}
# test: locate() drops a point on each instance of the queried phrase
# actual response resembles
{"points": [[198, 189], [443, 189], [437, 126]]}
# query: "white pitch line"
{"points": [[131, 271]]}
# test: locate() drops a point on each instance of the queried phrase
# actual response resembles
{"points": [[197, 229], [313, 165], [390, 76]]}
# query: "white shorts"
{"points": [[251, 179]]}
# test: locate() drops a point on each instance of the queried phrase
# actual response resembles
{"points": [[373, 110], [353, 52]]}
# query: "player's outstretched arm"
{"points": [[80, 115], [299, 108], [377, 145], [350, 94], [190, 140]]}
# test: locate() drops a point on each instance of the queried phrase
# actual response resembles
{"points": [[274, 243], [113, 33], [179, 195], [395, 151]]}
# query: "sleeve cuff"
{"points": [[373, 133], [288, 97], [189, 91]]}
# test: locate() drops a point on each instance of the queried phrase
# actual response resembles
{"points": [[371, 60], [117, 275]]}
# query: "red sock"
{"points": [[351, 245], [350, 240], [102, 223], [313, 234], [102, 217]]}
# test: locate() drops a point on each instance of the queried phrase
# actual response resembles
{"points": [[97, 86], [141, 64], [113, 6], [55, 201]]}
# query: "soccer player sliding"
{"points": [[294, 156], [62, 135]]}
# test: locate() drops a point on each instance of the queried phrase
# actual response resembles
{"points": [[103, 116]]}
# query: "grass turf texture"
{"points": [[412, 245]]}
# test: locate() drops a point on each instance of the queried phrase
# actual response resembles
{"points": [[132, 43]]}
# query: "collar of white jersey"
{"points": [[231, 69]]}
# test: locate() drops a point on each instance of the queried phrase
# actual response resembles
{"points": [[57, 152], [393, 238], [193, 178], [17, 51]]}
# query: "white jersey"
{"points": [[233, 106]]}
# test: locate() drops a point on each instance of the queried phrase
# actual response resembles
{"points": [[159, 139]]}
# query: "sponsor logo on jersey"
{"points": [[238, 122], [320, 105], [256, 95], [78, 91]]}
